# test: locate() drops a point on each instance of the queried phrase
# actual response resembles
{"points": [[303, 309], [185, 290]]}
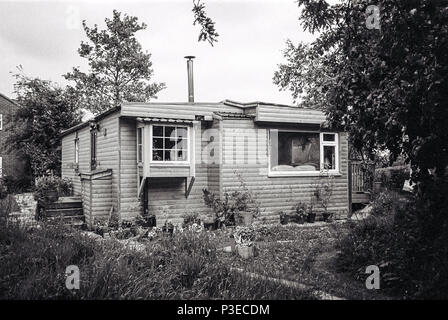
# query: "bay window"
{"points": [[169, 143], [302, 153]]}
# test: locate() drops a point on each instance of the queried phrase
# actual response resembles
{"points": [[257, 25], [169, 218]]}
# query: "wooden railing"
{"points": [[361, 176]]}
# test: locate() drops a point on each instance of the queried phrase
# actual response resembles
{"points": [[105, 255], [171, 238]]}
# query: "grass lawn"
{"points": [[304, 254]]}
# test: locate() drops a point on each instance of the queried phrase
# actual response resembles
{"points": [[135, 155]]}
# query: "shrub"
{"points": [[407, 240], [392, 177], [233, 203], [45, 184], [17, 184], [385, 203]]}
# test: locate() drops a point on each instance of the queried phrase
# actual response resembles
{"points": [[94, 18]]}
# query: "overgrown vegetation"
{"points": [[62, 186], [181, 267], [406, 237]]}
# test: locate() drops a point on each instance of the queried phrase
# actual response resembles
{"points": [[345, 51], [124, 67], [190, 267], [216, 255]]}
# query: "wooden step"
{"points": [[64, 205], [64, 212]]}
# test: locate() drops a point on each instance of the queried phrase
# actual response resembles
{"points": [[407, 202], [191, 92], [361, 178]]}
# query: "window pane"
{"points": [[295, 151], [182, 144], [157, 143], [157, 131], [329, 137], [169, 155], [181, 155], [329, 157], [140, 153], [182, 132], [170, 132], [157, 155], [170, 143], [139, 135]]}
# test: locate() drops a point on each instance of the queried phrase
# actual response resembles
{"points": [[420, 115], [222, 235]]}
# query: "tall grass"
{"points": [[33, 264]]}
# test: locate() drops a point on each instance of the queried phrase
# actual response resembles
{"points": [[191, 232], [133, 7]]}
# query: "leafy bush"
{"points": [[392, 178], [409, 243], [245, 236], [44, 184], [17, 184], [385, 203]]}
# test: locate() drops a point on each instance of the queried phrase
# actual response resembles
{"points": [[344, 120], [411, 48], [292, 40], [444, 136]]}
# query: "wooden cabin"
{"points": [[156, 158]]}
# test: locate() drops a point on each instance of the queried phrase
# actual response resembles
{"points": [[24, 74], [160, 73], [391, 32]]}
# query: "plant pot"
{"points": [[300, 220], [168, 229], [218, 224], [52, 195], [311, 217], [284, 219], [151, 222], [245, 252], [209, 226], [326, 216], [247, 218]]}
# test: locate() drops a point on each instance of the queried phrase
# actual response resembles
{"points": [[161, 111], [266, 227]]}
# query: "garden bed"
{"points": [[303, 255]]}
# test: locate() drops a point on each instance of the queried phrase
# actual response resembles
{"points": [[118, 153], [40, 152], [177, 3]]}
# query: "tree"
{"points": [[119, 69], [208, 32], [45, 110], [384, 83]]}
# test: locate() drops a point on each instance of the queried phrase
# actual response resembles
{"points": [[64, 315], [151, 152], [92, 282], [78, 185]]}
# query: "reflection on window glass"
{"points": [[169, 143], [329, 157], [295, 151], [329, 137]]}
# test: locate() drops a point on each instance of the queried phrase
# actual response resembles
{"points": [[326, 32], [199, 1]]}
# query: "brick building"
{"points": [[10, 164]]}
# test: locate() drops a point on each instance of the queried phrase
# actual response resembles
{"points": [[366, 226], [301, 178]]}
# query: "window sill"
{"points": [[275, 174], [169, 164]]}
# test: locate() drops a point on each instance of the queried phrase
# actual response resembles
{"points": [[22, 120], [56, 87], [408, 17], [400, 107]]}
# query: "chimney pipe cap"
{"points": [[189, 57]]}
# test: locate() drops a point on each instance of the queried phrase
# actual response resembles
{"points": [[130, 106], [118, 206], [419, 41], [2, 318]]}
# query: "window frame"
{"points": [[167, 163], [76, 147], [93, 148], [321, 155], [1, 166], [1, 121], [142, 143]]}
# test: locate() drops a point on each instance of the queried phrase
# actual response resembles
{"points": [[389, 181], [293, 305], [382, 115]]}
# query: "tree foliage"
{"points": [[45, 110], [208, 32], [386, 86], [119, 69]]}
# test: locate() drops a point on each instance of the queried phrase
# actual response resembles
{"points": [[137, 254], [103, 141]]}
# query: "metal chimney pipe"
{"points": [[190, 78]]}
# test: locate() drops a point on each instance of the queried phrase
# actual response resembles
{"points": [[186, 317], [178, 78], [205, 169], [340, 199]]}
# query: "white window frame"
{"points": [[189, 149], [76, 141], [334, 144], [321, 156], [142, 143], [1, 121], [1, 167]]}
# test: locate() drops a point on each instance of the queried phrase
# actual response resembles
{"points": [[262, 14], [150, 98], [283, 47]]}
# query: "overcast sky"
{"points": [[44, 37]]}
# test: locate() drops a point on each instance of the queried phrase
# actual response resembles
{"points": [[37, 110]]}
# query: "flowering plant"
{"points": [[244, 236]]}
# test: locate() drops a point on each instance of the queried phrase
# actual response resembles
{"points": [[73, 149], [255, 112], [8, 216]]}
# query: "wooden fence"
{"points": [[360, 181]]}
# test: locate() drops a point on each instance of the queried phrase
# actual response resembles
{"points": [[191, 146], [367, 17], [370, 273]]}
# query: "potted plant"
{"points": [[284, 217], [46, 189], [244, 239], [311, 216], [300, 212], [168, 227]]}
